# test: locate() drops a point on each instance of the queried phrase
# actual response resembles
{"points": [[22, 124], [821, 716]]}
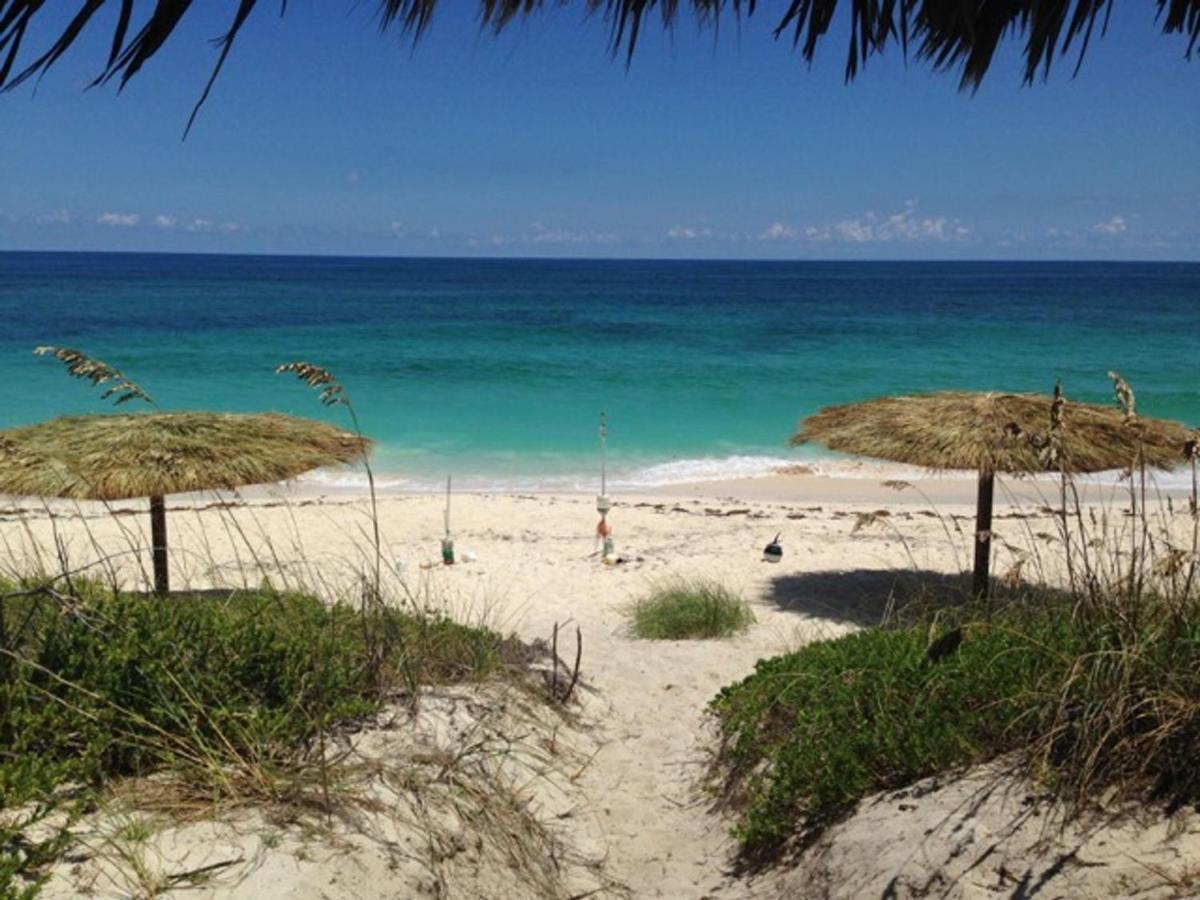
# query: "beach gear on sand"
{"points": [[447, 541], [773, 552], [603, 503]]}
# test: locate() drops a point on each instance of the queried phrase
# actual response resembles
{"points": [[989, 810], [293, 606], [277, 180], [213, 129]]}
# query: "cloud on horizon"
{"points": [[118, 220], [55, 217], [684, 233], [1114, 226], [905, 232]]}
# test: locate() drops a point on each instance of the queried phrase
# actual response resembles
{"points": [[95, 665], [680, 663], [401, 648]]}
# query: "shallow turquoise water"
{"points": [[496, 371]]}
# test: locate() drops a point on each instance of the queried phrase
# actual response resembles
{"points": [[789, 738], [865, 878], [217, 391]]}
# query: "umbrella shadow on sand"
{"points": [[866, 597]]}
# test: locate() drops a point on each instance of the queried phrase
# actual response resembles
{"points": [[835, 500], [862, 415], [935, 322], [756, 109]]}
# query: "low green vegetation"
{"points": [[96, 684], [693, 608], [230, 695], [1089, 695]]}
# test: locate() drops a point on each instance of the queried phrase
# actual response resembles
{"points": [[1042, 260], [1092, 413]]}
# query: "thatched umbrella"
{"points": [[990, 433], [120, 457]]}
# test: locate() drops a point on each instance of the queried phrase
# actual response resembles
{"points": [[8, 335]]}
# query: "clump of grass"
{"points": [[233, 696], [226, 691], [689, 608], [812, 732], [1086, 692]]}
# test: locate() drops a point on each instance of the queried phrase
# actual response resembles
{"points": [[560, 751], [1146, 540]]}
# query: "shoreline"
{"points": [[931, 491]]}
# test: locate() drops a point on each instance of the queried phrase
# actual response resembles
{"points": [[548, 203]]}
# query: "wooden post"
{"points": [[983, 533], [158, 545]]}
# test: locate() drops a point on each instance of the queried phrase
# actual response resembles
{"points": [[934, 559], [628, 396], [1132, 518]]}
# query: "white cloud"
{"points": [[904, 226], [230, 226], [873, 228], [1062, 235], [118, 220], [397, 228], [165, 221], [680, 232], [538, 234], [199, 225], [1114, 226], [435, 232], [777, 231], [54, 217]]}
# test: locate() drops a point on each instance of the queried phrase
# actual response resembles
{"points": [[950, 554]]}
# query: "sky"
{"points": [[324, 137]]}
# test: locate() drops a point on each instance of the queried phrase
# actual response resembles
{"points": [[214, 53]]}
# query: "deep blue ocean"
{"points": [[496, 371]]}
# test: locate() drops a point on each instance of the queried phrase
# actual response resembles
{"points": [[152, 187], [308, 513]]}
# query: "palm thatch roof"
{"points": [[994, 432], [118, 457], [948, 34]]}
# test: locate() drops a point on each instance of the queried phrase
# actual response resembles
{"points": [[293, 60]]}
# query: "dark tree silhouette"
{"points": [[950, 35]]}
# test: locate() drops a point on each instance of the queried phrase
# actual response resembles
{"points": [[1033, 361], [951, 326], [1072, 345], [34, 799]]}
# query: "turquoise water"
{"points": [[496, 371]]}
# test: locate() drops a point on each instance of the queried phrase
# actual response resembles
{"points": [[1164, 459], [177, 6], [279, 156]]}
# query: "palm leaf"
{"points": [[950, 35]]}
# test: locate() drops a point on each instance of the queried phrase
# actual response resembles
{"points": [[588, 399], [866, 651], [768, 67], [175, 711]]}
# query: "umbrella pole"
{"points": [[983, 533], [158, 544]]}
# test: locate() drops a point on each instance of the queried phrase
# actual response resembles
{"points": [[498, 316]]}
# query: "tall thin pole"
{"points": [[447, 541], [603, 532], [158, 545], [603, 453], [983, 533]]}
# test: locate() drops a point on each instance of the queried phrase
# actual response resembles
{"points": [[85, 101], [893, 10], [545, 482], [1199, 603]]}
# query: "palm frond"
{"points": [[949, 35]]}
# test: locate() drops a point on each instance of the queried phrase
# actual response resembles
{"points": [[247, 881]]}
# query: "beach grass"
{"points": [[100, 684], [228, 697], [689, 609], [1087, 695]]}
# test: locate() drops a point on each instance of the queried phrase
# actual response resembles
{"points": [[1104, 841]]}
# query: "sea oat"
{"points": [[1125, 396], [331, 393], [80, 365], [1012, 578], [1172, 562], [1049, 447]]}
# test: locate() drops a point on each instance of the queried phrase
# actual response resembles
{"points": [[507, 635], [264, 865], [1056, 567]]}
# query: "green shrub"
{"points": [[95, 685], [689, 608], [810, 733]]}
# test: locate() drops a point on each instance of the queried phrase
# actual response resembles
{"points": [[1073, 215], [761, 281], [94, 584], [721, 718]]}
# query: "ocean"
{"points": [[496, 371]]}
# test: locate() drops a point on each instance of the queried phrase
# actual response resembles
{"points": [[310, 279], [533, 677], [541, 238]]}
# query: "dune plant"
{"points": [[223, 689], [330, 392], [1088, 680], [689, 608]]}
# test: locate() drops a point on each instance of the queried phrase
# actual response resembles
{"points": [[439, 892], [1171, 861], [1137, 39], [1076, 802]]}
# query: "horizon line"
{"points": [[596, 259]]}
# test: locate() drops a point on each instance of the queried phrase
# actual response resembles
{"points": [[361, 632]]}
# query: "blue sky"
{"points": [[323, 137]]}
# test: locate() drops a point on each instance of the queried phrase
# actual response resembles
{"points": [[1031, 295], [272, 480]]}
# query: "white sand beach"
{"points": [[624, 789]]}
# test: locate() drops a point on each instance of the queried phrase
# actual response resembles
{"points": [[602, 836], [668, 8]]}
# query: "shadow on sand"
{"points": [[867, 597]]}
